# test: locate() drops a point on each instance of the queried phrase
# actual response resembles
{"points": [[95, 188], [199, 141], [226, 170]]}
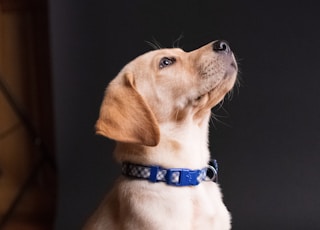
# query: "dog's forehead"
{"points": [[154, 54]]}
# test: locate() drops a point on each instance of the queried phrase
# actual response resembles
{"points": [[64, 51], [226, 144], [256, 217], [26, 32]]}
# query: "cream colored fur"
{"points": [[159, 115]]}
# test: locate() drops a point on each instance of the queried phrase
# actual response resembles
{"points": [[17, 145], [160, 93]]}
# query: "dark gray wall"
{"points": [[269, 149]]}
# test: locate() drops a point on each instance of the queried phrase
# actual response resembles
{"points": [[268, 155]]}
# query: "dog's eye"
{"points": [[164, 62]]}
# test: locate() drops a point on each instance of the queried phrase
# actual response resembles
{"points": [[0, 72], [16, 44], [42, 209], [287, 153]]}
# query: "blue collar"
{"points": [[172, 176]]}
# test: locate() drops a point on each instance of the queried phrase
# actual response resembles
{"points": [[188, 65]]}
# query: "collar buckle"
{"points": [[182, 177]]}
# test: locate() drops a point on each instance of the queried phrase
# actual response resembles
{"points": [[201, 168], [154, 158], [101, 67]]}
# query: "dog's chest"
{"points": [[192, 208], [203, 207]]}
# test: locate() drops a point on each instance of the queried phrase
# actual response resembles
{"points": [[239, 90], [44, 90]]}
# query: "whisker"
{"points": [[154, 44], [176, 43], [220, 105], [214, 118], [230, 94]]}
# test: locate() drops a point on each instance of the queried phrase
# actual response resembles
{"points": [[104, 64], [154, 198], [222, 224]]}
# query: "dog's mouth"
{"points": [[222, 86], [234, 66], [213, 95], [197, 99]]}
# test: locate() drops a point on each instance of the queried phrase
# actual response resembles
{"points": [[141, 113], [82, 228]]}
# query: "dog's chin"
{"points": [[206, 101]]}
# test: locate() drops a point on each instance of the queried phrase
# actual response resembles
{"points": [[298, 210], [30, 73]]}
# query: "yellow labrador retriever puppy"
{"points": [[158, 109]]}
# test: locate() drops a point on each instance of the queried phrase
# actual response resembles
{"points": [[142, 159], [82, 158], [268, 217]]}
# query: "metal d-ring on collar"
{"points": [[212, 171], [212, 174]]}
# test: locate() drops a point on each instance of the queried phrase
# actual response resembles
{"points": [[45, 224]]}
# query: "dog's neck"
{"points": [[181, 146]]}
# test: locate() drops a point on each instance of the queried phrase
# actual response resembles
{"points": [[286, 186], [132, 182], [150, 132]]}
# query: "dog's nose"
{"points": [[221, 46]]}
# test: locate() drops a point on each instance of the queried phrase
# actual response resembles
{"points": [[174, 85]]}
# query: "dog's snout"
{"points": [[221, 46]]}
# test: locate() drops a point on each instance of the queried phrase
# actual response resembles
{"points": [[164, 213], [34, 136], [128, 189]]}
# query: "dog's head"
{"points": [[162, 86]]}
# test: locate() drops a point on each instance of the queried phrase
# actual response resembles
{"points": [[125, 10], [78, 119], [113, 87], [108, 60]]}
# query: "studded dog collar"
{"points": [[171, 176]]}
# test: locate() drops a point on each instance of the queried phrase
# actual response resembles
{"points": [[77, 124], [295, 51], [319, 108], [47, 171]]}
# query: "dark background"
{"points": [[268, 140]]}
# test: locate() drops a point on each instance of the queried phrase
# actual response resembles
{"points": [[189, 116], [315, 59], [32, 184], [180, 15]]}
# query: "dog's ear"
{"points": [[125, 116]]}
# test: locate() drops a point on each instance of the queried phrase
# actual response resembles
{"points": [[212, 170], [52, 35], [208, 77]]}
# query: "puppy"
{"points": [[157, 109]]}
